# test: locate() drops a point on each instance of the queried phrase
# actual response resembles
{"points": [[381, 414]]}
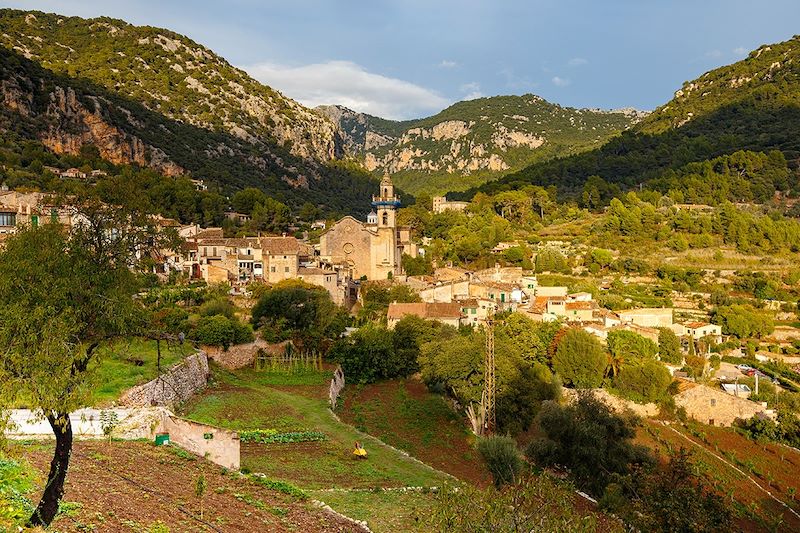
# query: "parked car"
{"points": [[744, 368]]}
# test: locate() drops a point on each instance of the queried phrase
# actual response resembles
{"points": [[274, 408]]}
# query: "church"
{"points": [[373, 249]]}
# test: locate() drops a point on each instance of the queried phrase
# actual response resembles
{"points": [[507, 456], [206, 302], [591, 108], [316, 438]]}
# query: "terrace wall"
{"points": [[173, 387]]}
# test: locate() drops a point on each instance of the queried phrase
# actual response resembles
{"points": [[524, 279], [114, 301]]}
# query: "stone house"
{"points": [[327, 279], [648, 317], [715, 407], [447, 313], [442, 204]]}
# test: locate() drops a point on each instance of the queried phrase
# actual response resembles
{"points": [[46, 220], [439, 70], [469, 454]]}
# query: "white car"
{"points": [[744, 368]]}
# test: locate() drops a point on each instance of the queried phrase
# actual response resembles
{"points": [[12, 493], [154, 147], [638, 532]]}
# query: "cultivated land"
{"points": [[134, 486], [751, 476]]}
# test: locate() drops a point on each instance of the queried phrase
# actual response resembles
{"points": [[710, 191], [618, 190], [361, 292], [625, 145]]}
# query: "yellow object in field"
{"points": [[360, 452]]}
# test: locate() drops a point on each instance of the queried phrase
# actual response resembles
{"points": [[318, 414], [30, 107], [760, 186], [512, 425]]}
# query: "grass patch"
{"points": [[125, 364], [247, 400], [384, 511]]}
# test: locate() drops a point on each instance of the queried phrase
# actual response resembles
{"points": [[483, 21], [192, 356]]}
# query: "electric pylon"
{"points": [[487, 398]]}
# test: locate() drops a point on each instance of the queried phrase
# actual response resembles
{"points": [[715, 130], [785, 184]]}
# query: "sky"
{"points": [[404, 59]]}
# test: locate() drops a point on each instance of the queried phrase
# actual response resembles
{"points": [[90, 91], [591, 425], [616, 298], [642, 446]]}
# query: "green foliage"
{"points": [[417, 266], [628, 345], [551, 260], [502, 457], [589, 439], [218, 306], [743, 321], [375, 353], [219, 330], [302, 312], [643, 381], [667, 498], [580, 360], [280, 486], [271, 436], [16, 481], [534, 503], [669, 346], [376, 298]]}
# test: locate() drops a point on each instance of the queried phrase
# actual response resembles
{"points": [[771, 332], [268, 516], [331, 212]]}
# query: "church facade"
{"points": [[373, 249]]}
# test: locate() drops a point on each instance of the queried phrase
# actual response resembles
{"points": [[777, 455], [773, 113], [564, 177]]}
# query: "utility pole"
{"points": [[487, 400]]}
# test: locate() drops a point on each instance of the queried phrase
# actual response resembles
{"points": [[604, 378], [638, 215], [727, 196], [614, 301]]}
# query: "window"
{"points": [[286, 269], [272, 269], [713, 403], [8, 219], [34, 221], [385, 219]]}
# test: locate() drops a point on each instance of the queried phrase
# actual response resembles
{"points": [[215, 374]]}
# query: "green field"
{"points": [[249, 399]]}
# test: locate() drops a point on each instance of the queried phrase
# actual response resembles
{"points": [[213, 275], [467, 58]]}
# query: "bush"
{"points": [[580, 360], [589, 439], [218, 306], [644, 382], [627, 344], [218, 330], [502, 457], [368, 355]]}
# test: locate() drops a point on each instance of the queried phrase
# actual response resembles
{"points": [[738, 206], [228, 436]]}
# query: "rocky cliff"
{"points": [[475, 141]]}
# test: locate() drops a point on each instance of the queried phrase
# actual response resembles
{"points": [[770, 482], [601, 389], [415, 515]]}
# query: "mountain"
{"points": [[474, 141], [752, 105], [151, 97]]}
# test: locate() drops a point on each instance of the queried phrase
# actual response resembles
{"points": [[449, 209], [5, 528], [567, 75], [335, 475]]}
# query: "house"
{"points": [[648, 317], [318, 224], [199, 185], [446, 313], [282, 257], [715, 407], [500, 274], [98, 173], [29, 208], [550, 291], [442, 204], [598, 330], [446, 292], [699, 330], [579, 311], [607, 318], [239, 218], [327, 279], [737, 389], [476, 310], [73, 173]]}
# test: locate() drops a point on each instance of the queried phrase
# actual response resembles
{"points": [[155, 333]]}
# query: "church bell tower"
{"points": [[386, 203]]}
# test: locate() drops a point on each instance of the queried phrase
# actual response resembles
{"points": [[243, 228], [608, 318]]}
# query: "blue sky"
{"points": [[410, 58]]}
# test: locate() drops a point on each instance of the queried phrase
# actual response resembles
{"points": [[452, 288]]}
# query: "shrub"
{"points": [[502, 457], [627, 344], [643, 382], [218, 306], [218, 330], [580, 360], [588, 438]]}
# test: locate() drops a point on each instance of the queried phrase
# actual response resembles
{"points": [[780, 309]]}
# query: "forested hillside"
{"points": [[752, 105], [474, 141], [149, 97]]}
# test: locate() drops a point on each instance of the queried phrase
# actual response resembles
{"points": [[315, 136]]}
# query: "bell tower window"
{"points": [[385, 219]]}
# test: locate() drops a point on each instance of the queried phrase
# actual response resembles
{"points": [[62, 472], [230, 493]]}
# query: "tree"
{"points": [[367, 356], [297, 310], [502, 457], [644, 381], [667, 498], [588, 438], [580, 360], [63, 293], [628, 345], [669, 346]]}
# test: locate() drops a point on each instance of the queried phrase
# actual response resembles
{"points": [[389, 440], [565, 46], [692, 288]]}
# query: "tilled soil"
{"points": [[133, 486]]}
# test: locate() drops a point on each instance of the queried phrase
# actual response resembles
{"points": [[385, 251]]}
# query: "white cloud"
{"points": [[577, 62], [740, 51], [447, 64], [472, 90], [351, 85], [560, 82]]}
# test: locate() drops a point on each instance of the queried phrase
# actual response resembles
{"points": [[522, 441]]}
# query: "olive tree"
{"points": [[64, 291]]}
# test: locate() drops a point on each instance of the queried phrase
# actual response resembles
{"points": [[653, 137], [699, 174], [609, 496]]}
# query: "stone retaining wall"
{"points": [[616, 403], [220, 446], [242, 355], [172, 388]]}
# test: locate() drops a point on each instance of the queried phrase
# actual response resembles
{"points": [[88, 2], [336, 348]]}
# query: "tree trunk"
{"points": [[47, 509]]}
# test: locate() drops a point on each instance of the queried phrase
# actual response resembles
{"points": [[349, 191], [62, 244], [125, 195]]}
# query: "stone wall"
{"points": [[220, 446], [337, 384], [242, 355], [172, 388], [616, 403]]}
